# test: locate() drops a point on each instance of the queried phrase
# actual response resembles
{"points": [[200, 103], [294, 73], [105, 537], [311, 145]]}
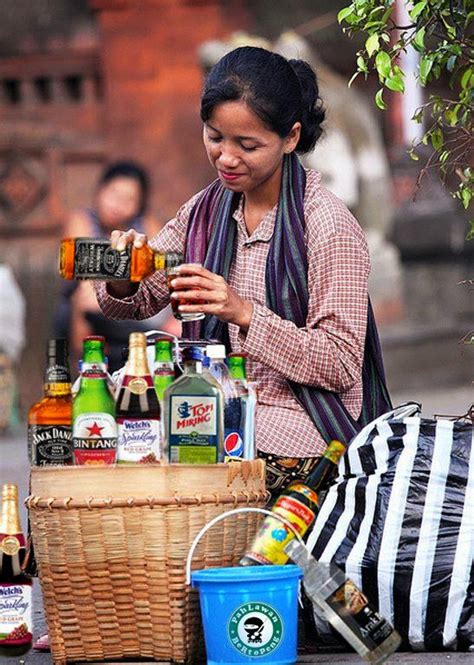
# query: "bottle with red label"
{"points": [[138, 410], [194, 415], [298, 505], [16, 628], [94, 430]]}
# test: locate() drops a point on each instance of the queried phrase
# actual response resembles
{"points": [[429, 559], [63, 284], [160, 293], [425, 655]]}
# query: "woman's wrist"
{"points": [[245, 316], [121, 290]]}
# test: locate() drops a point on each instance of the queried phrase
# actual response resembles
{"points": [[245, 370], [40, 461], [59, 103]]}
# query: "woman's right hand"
{"points": [[120, 239]]}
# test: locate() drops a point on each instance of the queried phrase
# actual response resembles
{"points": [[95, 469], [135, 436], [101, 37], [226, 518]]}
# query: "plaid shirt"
{"points": [[327, 352]]}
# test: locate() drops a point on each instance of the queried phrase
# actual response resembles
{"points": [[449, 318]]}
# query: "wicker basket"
{"points": [[111, 546]]}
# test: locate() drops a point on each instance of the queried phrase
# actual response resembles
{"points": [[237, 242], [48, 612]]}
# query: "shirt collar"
{"points": [[264, 230]]}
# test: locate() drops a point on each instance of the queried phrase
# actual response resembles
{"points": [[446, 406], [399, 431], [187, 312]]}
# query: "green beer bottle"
{"points": [[163, 374], [94, 430]]}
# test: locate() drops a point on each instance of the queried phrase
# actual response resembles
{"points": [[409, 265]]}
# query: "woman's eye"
{"points": [[249, 148], [214, 139]]}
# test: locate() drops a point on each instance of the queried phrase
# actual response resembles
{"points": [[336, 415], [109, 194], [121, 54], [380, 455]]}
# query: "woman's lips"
{"points": [[229, 177]]}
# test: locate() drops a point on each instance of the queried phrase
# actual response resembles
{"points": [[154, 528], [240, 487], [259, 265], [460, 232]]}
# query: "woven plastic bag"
{"points": [[400, 521]]}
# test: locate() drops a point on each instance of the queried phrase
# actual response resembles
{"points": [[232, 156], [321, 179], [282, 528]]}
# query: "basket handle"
{"points": [[222, 516]]}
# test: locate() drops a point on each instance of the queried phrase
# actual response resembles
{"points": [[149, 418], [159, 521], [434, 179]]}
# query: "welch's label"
{"points": [[193, 429], [16, 626], [138, 440], [95, 259], [94, 437], [50, 445]]}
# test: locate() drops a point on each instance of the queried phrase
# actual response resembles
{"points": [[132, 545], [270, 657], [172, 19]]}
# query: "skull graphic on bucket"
{"points": [[255, 629]]}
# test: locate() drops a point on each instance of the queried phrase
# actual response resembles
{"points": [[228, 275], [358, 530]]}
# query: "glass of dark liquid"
{"points": [[171, 273]]}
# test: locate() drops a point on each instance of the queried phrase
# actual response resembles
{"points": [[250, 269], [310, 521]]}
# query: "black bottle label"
{"points": [[50, 445], [95, 259], [353, 607], [56, 373]]}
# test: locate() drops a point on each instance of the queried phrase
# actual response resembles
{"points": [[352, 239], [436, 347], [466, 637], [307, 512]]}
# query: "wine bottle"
{"points": [[16, 628], [137, 408]]}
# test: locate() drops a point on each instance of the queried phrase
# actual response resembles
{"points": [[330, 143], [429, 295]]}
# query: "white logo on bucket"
{"points": [[255, 629]]}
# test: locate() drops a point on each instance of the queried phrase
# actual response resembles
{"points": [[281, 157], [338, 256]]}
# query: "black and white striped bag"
{"points": [[400, 521]]}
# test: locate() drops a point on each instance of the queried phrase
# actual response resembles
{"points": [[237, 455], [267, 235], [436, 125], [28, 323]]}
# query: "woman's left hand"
{"points": [[198, 283]]}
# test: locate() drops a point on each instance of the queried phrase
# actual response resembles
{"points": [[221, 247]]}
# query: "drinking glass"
{"points": [[171, 273]]}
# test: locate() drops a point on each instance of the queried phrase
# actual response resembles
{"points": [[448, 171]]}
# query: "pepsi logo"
{"points": [[233, 445]]}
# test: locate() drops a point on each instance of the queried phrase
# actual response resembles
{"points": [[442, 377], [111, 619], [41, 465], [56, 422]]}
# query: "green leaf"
{"points": [[352, 79], [419, 40], [466, 78], [466, 196], [413, 156], [417, 9], [437, 139], [361, 64], [383, 64], [451, 62], [426, 63], [372, 44], [379, 100], [444, 156], [344, 13], [470, 234], [451, 116], [395, 83]]}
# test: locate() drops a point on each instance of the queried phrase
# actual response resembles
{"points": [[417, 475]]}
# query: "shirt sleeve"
{"points": [[152, 294], [328, 352]]}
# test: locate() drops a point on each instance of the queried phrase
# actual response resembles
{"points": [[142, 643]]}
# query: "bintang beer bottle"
{"points": [[298, 504], [15, 586], [94, 258], [94, 430], [138, 410], [50, 420], [163, 374]]}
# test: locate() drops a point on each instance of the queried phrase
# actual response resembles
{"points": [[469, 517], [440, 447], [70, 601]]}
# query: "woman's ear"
{"points": [[293, 137]]}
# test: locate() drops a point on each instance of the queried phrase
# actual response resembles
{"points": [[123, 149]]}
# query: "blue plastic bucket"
{"points": [[249, 614]]}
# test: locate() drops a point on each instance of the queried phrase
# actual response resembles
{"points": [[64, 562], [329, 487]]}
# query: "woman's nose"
{"points": [[228, 157]]}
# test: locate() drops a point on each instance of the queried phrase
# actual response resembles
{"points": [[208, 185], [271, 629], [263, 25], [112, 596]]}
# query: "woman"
{"points": [[285, 264], [120, 202]]}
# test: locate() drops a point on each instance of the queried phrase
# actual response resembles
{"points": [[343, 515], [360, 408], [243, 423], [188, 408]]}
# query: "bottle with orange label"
{"points": [[298, 504]]}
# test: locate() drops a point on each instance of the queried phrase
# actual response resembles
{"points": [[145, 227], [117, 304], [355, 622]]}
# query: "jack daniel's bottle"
{"points": [[138, 410], [49, 420], [298, 504], [94, 258], [15, 587]]}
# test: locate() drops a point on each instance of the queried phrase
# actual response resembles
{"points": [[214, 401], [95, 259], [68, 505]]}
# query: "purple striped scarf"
{"points": [[210, 241]]}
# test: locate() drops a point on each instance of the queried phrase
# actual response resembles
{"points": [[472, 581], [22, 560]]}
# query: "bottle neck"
{"points": [[192, 367], [57, 378], [326, 465], [137, 363], [10, 514], [237, 372], [165, 260], [163, 354]]}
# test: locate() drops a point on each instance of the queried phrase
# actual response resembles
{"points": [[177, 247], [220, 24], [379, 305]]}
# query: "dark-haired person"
{"points": [[285, 264], [120, 202]]}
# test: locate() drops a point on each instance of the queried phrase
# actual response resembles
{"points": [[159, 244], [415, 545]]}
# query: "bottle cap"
{"points": [[164, 340], [206, 361], [193, 353], [215, 351], [95, 338], [236, 359], [56, 347]]}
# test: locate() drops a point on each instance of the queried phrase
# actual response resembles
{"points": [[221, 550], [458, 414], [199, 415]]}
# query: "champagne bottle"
{"points": [[50, 419], [345, 606], [94, 258], [16, 628], [137, 408], [94, 430], [298, 504]]}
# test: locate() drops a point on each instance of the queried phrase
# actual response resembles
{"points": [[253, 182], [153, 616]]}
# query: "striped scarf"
{"points": [[210, 240]]}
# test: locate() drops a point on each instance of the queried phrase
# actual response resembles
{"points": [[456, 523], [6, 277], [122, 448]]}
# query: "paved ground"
{"points": [[436, 400]]}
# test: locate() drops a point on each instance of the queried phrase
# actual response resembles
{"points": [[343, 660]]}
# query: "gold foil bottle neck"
{"points": [[9, 516], [137, 364]]}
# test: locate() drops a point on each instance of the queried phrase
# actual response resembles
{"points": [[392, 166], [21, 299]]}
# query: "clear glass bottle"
{"points": [[194, 422], [94, 430], [50, 419], [94, 258], [345, 606], [16, 617], [138, 409]]}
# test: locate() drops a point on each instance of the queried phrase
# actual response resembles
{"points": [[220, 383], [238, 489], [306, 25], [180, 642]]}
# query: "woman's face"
{"points": [[245, 153], [118, 201]]}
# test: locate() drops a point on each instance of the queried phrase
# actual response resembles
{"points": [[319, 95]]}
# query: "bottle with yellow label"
{"points": [[298, 504]]}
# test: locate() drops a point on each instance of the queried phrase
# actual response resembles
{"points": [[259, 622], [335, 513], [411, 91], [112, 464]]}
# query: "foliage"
{"points": [[441, 32]]}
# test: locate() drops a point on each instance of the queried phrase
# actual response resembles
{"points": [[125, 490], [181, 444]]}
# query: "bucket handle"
{"points": [[222, 516]]}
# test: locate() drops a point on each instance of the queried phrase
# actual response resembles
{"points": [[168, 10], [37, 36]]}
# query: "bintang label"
{"points": [[94, 438], [193, 429], [96, 258]]}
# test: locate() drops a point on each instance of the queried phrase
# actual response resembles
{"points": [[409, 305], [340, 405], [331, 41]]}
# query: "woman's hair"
{"points": [[279, 91], [128, 169]]}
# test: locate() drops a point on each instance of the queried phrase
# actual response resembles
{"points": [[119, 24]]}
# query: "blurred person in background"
{"points": [[284, 265], [120, 202], [12, 341]]}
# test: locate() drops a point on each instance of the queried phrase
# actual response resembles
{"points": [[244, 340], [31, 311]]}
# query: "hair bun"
{"points": [[312, 111]]}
